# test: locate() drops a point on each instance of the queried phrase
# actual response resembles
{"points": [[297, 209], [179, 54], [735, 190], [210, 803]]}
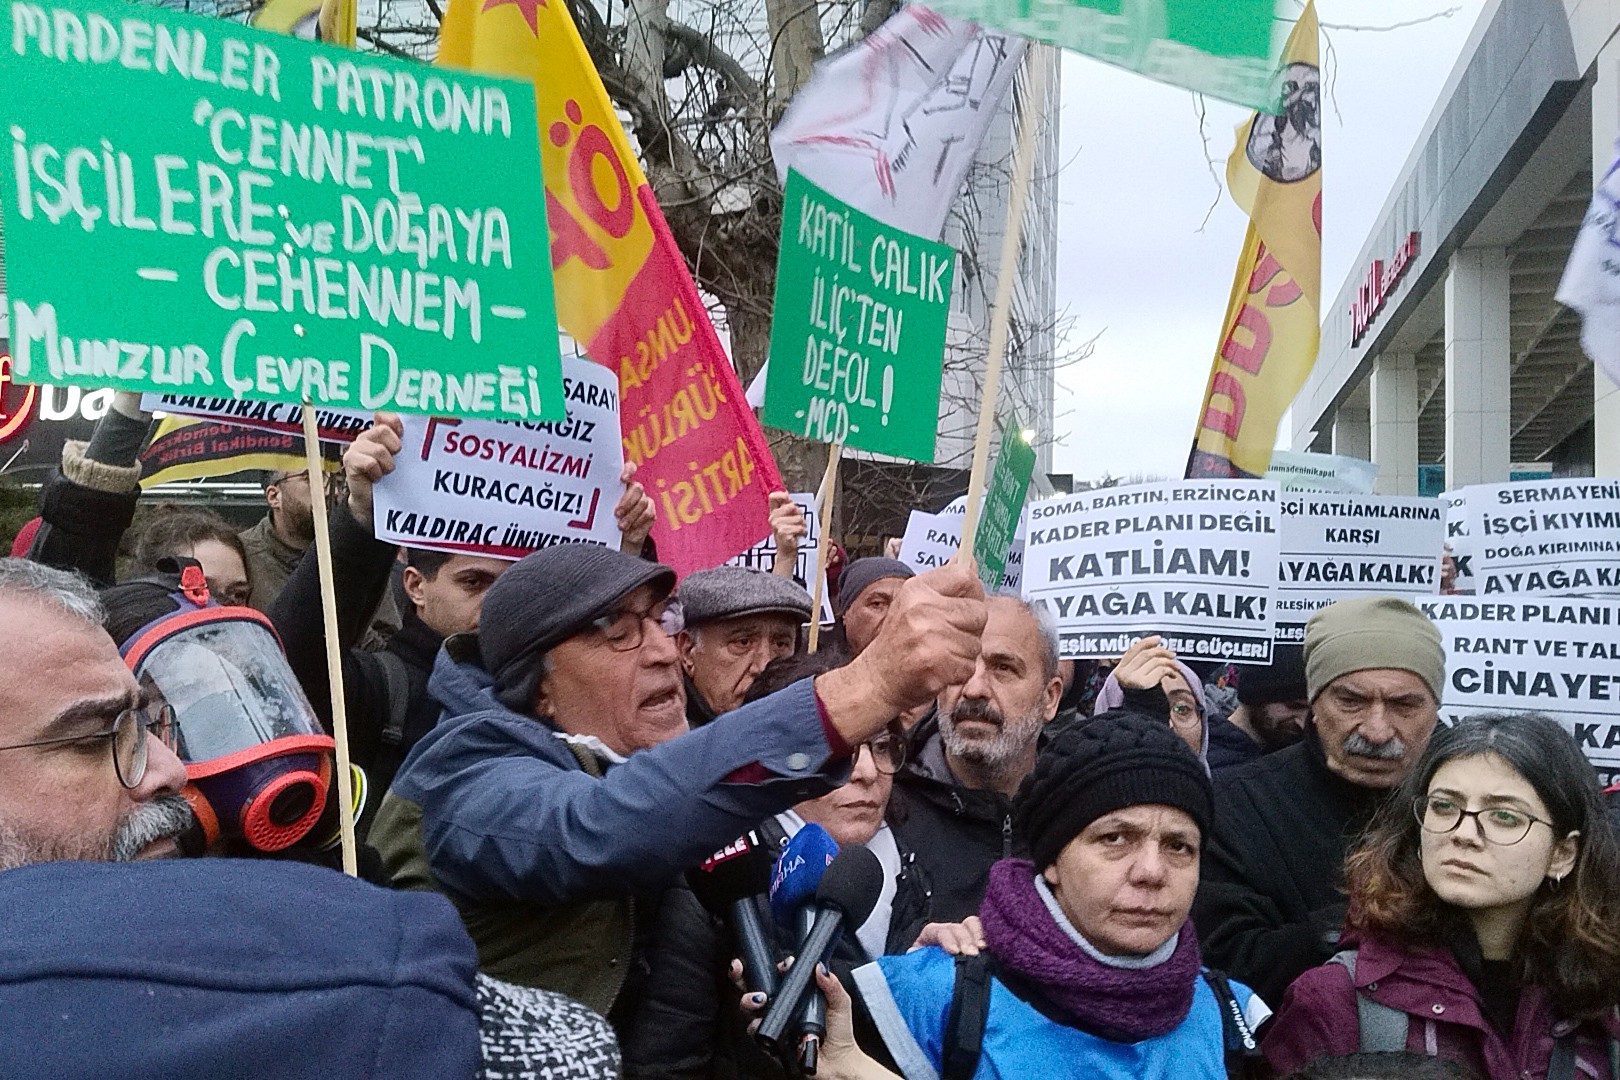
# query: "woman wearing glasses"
{"points": [[689, 1024], [1484, 917]]}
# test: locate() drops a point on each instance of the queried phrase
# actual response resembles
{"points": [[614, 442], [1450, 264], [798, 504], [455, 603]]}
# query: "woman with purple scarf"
{"points": [[1092, 966]]}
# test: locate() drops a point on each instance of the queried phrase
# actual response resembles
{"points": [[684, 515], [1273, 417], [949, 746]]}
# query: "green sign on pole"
{"points": [[858, 330], [1228, 49], [1003, 502], [192, 206]]}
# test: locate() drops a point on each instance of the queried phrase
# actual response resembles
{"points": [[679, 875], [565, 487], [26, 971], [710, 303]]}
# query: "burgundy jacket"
{"points": [[1318, 1016]]}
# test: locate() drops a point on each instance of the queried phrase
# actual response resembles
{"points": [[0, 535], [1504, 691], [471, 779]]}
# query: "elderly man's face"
{"points": [[1373, 724], [64, 677], [867, 611], [725, 656], [1127, 881], [630, 698]]}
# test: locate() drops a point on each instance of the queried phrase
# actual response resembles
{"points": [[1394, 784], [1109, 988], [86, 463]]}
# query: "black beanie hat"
{"points": [[1119, 759], [1282, 680]]}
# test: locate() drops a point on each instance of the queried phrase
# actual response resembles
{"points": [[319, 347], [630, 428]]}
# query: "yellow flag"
{"points": [[623, 288], [1270, 334]]}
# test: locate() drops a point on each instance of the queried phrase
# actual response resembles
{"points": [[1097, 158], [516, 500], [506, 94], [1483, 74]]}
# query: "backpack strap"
{"points": [[397, 683], [964, 1024], [1383, 1029], [1562, 1064], [1237, 1038]]}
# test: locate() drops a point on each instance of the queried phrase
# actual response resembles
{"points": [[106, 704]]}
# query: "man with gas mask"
{"points": [[259, 767]]}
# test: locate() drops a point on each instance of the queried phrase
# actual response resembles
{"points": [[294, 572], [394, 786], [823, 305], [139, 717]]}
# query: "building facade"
{"points": [[1444, 358]]}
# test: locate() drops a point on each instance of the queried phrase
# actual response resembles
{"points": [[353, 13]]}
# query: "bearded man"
{"points": [[952, 804]]}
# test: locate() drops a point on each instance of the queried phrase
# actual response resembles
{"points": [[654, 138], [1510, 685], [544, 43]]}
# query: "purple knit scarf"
{"points": [[1120, 1004]]}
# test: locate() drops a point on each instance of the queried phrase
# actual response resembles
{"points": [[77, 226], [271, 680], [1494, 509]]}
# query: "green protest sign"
{"points": [[1228, 49], [1003, 502], [858, 330], [192, 206]]}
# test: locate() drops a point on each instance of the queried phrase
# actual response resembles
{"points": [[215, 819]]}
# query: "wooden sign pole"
{"points": [[1029, 122], [824, 497], [334, 652]]}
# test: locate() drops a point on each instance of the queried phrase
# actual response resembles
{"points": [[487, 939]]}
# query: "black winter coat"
{"points": [[689, 1025], [1271, 896]]}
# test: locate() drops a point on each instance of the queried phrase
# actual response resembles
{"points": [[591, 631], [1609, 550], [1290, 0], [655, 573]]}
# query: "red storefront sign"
{"points": [[1375, 288]]}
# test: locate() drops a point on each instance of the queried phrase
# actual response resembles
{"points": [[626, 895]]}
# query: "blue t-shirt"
{"points": [[909, 998]]}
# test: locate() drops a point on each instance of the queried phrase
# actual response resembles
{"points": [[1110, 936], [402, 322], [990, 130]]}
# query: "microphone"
{"points": [[726, 884], [798, 870], [846, 894], [793, 889]]}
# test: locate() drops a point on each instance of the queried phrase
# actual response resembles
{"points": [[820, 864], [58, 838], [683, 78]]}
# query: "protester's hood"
{"points": [[458, 682], [230, 967]]}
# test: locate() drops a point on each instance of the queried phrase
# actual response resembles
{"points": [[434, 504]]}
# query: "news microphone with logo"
{"points": [[726, 884], [798, 870], [845, 896]]}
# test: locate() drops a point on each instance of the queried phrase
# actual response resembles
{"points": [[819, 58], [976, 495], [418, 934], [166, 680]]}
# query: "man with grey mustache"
{"points": [[1271, 897], [87, 766]]}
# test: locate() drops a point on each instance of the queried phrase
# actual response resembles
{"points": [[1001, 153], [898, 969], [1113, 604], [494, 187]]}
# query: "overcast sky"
{"points": [[1132, 263]]}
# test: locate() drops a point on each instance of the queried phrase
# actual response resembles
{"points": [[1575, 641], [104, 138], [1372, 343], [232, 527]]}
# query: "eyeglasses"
{"points": [[1498, 824], [128, 738], [624, 630], [888, 752]]}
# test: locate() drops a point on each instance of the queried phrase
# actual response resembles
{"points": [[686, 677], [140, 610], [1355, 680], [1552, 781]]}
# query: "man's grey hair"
{"points": [[68, 592], [1046, 628]]}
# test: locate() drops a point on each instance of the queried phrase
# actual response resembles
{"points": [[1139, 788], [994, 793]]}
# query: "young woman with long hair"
{"points": [[1484, 917]]}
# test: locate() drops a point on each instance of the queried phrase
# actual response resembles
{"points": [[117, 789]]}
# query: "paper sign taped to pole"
{"points": [[339, 426], [480, 487], [193, 206], [1194, 561], [1545, 537], [1339, 546], [1556, 656], [762, 556], [932, 539], [858, 328]]}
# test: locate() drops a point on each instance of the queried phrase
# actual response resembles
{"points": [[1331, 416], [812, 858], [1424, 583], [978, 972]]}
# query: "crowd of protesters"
{"points": [[1116, 869]]}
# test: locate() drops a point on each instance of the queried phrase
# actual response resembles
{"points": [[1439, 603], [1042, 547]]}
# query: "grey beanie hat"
{"points": [[862, 572], [553, 594], [1368, 632], [729, 592]]}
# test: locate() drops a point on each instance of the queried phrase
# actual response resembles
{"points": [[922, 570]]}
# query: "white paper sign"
{"points": [[762, 556], [1458, 540], [1338, 546], [1546, 537], [931, 540], [337, 426], [486, 487], [1192, 560], [1556, 656]]}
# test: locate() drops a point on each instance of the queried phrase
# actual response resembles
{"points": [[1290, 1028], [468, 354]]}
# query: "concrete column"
{"points": [[1605, 129], [1478, 355], [1352, 431], [1394, 414]]}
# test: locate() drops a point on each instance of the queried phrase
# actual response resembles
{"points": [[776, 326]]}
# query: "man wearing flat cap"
{"points": [[562, 794], [737, 621], [1271, 901]]}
